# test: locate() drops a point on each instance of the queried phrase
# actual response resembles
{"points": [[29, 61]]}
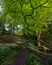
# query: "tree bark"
{"points": [[38, 37]]}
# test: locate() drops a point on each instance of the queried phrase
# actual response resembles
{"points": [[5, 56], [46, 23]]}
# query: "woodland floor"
{"points": [[20, 58]]}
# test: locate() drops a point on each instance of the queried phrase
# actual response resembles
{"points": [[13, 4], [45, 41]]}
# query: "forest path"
{"points": [[20, 58]]}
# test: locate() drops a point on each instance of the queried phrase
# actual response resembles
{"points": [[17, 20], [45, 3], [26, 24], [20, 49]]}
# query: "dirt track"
{"points": [[20, 58]]}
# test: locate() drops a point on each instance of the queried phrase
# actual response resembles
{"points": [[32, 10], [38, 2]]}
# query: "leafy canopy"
{"points": [[33, 14]]}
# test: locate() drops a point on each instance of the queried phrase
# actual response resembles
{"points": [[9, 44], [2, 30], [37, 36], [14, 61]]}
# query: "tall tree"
{"points": [[32, 14]]}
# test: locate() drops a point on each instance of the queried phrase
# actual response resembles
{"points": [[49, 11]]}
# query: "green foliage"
{"points": [[33, 49], [6, 54], [26, 9], [26, 1], [32, 14], [47, 37], [36, 12], [32, 60], [30, 20]]}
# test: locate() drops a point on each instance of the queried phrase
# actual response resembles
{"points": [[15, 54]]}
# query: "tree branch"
{"points": [[41, 4]]}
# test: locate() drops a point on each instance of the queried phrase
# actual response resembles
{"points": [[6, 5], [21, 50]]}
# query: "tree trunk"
{"points": [[39, 42], [39, 36]]}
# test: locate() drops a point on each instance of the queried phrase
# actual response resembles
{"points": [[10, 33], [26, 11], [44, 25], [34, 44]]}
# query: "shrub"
{"points": [[7, 54], [32, 60]]}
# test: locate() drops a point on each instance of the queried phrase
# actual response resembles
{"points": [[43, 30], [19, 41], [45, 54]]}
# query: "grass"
{"points": [[7, 53]]}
